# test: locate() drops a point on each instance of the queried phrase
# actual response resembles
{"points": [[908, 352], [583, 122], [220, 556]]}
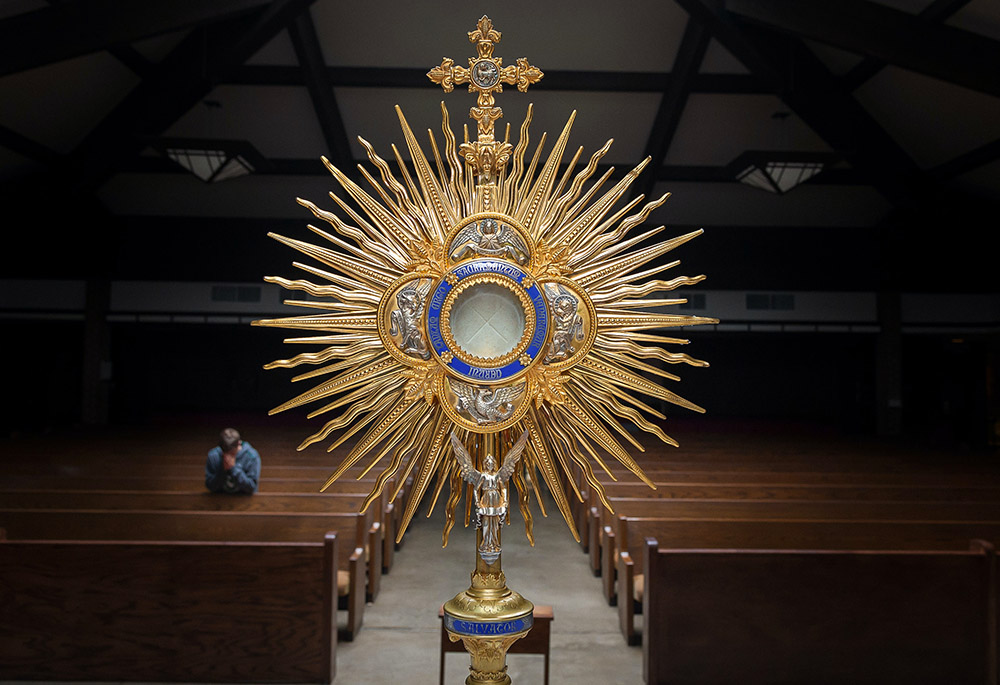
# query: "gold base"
{"points": [[488, 618]]}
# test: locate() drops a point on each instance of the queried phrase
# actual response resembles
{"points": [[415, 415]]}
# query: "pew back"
{"points": [[168, 611], [177, 500], [767, 616]]}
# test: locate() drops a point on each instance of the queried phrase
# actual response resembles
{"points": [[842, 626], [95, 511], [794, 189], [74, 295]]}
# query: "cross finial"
{"points": [[486, 76]]}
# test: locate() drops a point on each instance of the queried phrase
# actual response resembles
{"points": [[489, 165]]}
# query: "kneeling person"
{"points": [[233, 466]]}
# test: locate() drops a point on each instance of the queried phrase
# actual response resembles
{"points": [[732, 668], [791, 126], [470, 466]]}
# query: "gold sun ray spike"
{"points": [[565, 271]]}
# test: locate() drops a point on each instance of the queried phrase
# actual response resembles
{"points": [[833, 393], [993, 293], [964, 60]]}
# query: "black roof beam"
{"points": [[971, 160], [187, 74], [79, 27], [904, 40], [675, 95], [310, 56], [677, 173], [809, 89], [589, 81], [937, 11], [14, 141]]}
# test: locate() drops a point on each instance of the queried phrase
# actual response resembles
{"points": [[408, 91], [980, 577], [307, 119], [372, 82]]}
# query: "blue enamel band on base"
{"points": [[485, 628]]}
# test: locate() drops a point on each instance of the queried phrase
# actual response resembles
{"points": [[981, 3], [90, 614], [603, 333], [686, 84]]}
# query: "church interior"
{"points": [[831, 516]]}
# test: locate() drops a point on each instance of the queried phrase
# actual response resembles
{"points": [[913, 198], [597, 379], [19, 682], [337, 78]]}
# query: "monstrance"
{"points": [[473, 306]]}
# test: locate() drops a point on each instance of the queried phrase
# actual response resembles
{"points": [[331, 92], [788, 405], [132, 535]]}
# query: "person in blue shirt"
{"points": [[233, 466]]}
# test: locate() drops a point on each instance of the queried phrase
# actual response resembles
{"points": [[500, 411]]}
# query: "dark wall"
{"points": [[946, 388], [42, 375], [168, 368], [828, 378], [160, 369]]}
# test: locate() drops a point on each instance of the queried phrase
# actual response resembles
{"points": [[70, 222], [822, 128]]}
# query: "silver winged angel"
{"points": [[489, 488], [489, 238], [486, 404]]}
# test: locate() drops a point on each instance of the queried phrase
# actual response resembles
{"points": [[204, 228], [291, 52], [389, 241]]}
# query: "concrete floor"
{"points": [[400, 640]]}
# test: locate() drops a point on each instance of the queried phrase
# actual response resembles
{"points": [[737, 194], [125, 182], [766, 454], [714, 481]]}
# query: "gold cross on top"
{"points": [[486, 74]]}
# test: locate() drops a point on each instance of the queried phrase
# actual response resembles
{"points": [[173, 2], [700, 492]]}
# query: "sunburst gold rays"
{"points": [[605, 244], [546, 466], [620, 292], [380, 278], [517, 164], [414, 434], [439, 444], [578, 229], [393, 232], [354, 321], [605, 271], [390, 257], [406, 208], [360, 297], [359, 402], [341, 383], [391, 407], [444, 213], [528, 209]]}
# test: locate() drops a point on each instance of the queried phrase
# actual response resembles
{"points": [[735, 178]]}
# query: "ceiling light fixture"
{"points": [[778, 171], [209, 159]]}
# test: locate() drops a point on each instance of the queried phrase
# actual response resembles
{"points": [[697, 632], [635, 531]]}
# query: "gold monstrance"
{"points": [[480, 306]]}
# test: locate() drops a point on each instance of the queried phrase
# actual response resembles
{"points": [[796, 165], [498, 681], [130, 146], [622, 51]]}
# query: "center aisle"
{"points": [[400, 641]]}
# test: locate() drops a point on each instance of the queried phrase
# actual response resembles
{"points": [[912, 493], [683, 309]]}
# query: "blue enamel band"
{"points": [[475, 268]]}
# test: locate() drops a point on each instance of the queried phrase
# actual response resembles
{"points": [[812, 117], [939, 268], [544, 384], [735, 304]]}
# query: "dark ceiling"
{"points": [[904, 95]]}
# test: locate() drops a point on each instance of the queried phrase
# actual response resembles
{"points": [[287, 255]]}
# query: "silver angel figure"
{"points": [[406, 319], [489, 488], [567, 325], [489, 238], [486, 404]]}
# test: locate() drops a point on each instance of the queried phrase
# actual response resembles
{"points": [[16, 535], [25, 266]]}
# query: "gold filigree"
{"points": [[421, 381], [447, 74], [486, 158], [428, 257], [550, 386], [522, 74], [551, 262], [487, 676]]}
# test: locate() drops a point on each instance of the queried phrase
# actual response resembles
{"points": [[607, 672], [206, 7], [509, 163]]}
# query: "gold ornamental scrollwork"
{"points": [[485, 75]]}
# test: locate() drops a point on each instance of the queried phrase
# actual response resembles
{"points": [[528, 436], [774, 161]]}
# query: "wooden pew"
{"points": [[179, 500], [776, 534], [858, 490], [803, 476], [219, 526], [773, 509], [168, 611], [922, 484], [765, 491], [194, 489], [769, 616]]}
